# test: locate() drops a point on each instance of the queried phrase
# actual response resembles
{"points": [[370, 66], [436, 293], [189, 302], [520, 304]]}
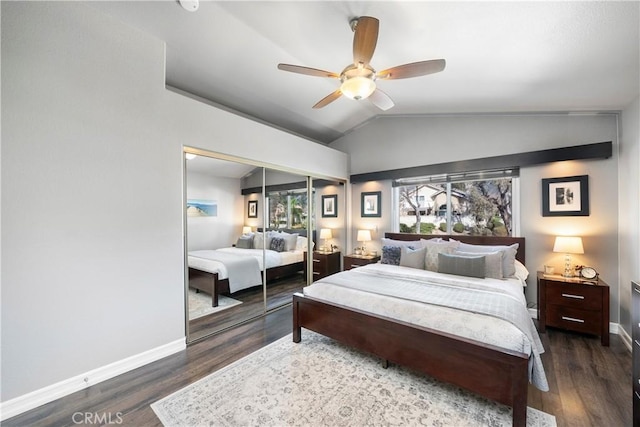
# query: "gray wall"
{"points": [[397, 142], [92, 203], [629, 212]]}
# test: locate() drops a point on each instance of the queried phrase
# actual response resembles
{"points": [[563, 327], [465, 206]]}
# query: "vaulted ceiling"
{"points": [[501, 57]]}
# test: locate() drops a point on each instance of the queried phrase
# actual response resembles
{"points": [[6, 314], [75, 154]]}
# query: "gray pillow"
{"points": [[413, 258], [245, 242], [461, 265], [493, 262]]}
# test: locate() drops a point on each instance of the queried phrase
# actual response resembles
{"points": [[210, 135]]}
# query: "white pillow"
{"points": [[521, 272], [257, 240], [301, 244], [290, 240], [391, 242]]}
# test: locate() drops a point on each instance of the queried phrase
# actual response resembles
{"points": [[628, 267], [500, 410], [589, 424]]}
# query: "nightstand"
{"points": [[324, 264], [353, 261], [574, 304]]}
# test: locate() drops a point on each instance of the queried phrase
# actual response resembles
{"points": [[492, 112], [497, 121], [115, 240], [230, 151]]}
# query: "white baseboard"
{"points": [[32, 400]]}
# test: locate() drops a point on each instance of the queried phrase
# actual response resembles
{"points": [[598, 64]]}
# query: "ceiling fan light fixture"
{"points": [[358, 87]]}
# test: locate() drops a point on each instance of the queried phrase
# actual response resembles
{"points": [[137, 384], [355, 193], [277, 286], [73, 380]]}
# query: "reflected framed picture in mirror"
{"points": [[253, 209], [330, 206]]}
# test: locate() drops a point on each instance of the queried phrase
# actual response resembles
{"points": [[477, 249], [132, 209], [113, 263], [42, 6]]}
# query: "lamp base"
{"points": [[568, 271]]}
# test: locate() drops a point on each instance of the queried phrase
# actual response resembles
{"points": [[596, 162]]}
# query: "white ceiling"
{"points": [[501, 57]]}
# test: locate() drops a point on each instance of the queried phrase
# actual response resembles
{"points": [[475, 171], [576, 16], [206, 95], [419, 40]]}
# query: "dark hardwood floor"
{"points": [[590, 385], [279, 293]]}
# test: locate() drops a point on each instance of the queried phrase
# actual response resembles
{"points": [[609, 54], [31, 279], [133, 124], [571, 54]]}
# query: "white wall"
{"points": [[398, 142], [221, 230], [629, 211], [92, 203]]}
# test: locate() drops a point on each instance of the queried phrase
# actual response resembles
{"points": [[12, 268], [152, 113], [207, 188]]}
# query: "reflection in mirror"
{"points": [[287, 209], [224, 279], [330, 221]]}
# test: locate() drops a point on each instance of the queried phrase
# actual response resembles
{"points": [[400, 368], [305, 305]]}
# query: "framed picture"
{"points": [[370, 204], [330, 206], [253, 209], [568, 196]]}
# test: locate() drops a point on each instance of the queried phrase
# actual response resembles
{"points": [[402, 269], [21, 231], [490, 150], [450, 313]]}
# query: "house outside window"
{"points": [[479, 203]]}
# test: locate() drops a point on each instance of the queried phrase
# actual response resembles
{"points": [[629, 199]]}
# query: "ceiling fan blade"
{"points": [[414, 69], [307, 70], [365, 39], [381, 100], [328, 99]]}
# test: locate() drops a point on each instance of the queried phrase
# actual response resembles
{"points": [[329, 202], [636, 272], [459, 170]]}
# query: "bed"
{"points": [[232, 269], [493, 367]]}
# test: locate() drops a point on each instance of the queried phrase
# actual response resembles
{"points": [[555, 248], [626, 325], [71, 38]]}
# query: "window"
{"points": [[288, 209], [478, 203]]}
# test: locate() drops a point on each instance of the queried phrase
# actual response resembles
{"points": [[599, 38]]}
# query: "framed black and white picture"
{"points": [[567, 196], [253, 209], [370, 204], [330, 206]]}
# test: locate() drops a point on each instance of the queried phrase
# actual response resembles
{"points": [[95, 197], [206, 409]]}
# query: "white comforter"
{"points": [[404, 293], [201, 260]]}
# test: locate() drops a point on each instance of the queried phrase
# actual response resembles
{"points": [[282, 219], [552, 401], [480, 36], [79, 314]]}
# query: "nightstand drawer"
{"points": [[582, 297], [574, 319], [353, 261]]}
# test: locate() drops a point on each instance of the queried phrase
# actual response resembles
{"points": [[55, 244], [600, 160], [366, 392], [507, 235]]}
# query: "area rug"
{"points": [[319, 382], [200, 304]]}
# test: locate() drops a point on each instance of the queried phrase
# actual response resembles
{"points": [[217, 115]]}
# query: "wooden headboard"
{"points": [[472, 240]]}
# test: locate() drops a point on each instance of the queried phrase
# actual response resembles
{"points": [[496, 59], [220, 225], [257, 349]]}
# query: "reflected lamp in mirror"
{"points": [[568, 245], [325, 234], [364, 236], [246, 229]]}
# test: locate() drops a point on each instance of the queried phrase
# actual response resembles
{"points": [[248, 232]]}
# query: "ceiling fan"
{"points": [[359, 79]]}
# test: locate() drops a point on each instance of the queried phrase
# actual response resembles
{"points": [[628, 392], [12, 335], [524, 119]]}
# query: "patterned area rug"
{"points": [[200, 304], [321, 383]]}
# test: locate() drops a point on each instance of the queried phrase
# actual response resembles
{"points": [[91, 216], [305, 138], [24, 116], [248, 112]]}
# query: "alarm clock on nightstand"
{"points": [[588, 273]]}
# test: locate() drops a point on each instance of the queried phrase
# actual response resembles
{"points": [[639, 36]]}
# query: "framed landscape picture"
{"points": [[330, 206], [370, 204], [567, 196]]}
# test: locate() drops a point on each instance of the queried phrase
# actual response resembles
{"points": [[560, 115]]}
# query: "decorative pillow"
{"points": [[521, 272], [390, 255], [290, 240], [277, 244], [392, 242], [435, 248], [257, 240], [508, 259], [413, 258], [461, 265], [301, 244], [493, 262], [245, 242]]}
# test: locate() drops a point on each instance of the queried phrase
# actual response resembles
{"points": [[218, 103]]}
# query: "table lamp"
{"points": [[325, 234], [568, 245], [364, 236], [246, 229]]}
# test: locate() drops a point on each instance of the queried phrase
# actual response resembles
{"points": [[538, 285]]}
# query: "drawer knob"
{"points": [[573, 296], [572, 319]]}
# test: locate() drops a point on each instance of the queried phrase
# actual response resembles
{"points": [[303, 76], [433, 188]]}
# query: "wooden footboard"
{"points": [[214, 286], [489, 371]]}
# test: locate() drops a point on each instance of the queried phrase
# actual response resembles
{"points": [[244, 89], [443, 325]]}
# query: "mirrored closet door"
{"points": [[223, 288]]}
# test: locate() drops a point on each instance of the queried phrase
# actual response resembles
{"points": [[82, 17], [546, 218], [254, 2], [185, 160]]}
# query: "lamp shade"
{"points": [[358, 87], [246, 229], [364, 236], [568, 245], [325, 233]]}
